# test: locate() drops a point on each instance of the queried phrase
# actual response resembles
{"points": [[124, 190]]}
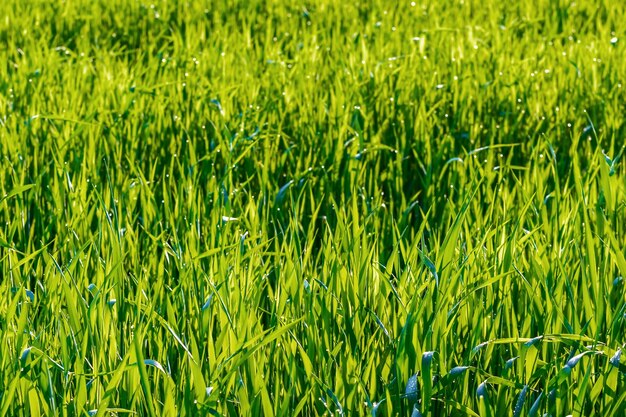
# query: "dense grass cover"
{"points": [[312, 208]]}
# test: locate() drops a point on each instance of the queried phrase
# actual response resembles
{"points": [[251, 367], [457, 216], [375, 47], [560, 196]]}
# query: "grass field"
{"points": [[312, 208]]}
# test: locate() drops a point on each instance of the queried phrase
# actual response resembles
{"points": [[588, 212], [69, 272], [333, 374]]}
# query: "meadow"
{"points": [[312, 208]]}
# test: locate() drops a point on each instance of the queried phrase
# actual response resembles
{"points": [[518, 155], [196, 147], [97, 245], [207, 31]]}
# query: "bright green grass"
{"points": [[281, 208]]}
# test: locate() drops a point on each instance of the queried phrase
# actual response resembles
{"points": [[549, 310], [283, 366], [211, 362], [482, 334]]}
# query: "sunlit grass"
{"points": [[321, 208]]}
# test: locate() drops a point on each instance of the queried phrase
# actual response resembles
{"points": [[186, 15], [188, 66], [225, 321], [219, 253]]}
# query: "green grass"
{"points": [[312, 208]]}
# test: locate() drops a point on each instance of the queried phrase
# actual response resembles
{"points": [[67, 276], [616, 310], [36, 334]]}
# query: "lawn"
{"points": [[312, 208]]}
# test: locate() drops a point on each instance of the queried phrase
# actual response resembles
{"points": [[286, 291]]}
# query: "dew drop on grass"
{"points": [[30, 295], [478, 347], [552, 396], [455, 159], [411, 391], [535, 407], [517, 411], [282, 192], [481, 391], [25, 354], [574, 361], [546, 198], [615, 359], [207, 304], [111, 302], [533, 341], [216, 103], [375, 408], [156, 364], [510, 362], [416, 411], [458, 370]]}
